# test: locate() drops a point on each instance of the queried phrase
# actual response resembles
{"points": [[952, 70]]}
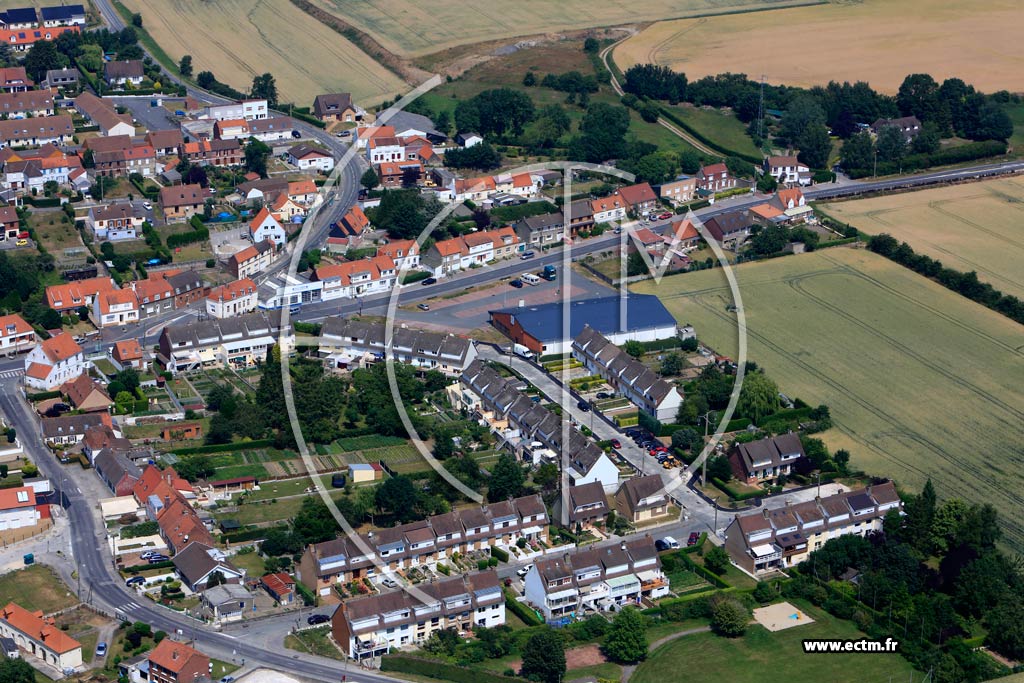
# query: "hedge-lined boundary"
{"points": [[223, 447], [434, 668], [736, 495], [528, 616]]}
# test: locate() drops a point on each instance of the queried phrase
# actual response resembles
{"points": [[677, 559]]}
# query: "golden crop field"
{"points": [[977, 227], [411, 29], [920, 381], [878, 41], [238, 39]]}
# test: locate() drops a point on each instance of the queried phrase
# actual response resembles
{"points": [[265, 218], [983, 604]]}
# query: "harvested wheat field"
{"points": [[921, 382], [413, 29], [977, 227], [878, 41], [238, 39]]}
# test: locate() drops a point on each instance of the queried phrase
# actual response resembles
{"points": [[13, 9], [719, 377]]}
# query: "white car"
{"points": [[523, 571], [147, 206], [670, 542]]}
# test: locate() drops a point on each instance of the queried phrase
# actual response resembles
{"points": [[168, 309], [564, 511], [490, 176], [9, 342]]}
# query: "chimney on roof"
{"points": [[622, 546], [565, 558], [765, 513]]}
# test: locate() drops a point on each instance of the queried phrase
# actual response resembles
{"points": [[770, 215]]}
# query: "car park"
{"points": [[315, 619]]}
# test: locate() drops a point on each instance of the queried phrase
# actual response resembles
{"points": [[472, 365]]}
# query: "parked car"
{"points": [[523, 571], [296, 134], [389, 583], [670, 542], [665, 216], [660, 545], [604, 394], [692, 540], [154, 559], [527, 255], [423, 307], [148, 554], [584, 406], [147, 206], [616, 443], [429, 281], [228, 679], [135, 581], [518, 284], [101, 649], [315, 619], [22, 243]]}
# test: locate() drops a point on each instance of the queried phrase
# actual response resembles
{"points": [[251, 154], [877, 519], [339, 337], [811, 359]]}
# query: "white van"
{"points": [[530, 279]]}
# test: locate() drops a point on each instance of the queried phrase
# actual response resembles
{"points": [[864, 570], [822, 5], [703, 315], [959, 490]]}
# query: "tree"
{"points": [[891, 145], [1006, 628], [803, 113], [767, 183], [815, 146], [764, 592], [636, 265], [759, 397], [185, 66], [529, 80], [499, 113], [215, 579], [841, 458], [16, 671], [729, 617], [546, 475], [369, 179], [481, 157], [507, 479], [398, 496], [919, 96], [634, 348], [42, 57], [687, 439], [264, 87], [672, 364], [591, 45], [137, 20], [717, 560], [858, 152], [256, 154], [206, 79], [927, 141], [626, 640], [124, 401], [719, 468], [653, 168], [770, 240], [544, 657], [603, 130]]}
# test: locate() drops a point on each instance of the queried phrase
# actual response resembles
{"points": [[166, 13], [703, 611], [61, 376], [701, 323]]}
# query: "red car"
{"points": [[665, 216], [616, 444]]}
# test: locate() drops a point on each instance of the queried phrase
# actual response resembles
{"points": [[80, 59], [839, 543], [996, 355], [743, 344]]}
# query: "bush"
{"points": [[729, 617], [499, 553], [432, 668], [443, 568], [527, 615]]}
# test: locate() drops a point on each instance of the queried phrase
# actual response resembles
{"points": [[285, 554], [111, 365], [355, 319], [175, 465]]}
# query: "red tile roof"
{"points": [[126, 350], [39, 628], [636, 194], [61, 347], [13, 324], [175, 657], [15, 498], [233, 290]]}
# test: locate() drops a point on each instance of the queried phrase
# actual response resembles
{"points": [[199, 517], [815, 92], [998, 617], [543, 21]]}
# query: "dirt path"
{"points": [[689, 139]]}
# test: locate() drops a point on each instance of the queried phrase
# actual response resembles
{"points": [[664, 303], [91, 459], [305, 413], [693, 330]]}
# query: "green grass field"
{"points": [[36, 587], [722, 126], [979, 226], [920, 381], [761, 655]]}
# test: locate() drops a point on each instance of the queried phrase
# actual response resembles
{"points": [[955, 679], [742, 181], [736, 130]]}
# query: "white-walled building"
{"points": [[265, 227], [57, 360], [246, 109], [16, 335], [310, 158], [234, 298], [18, 508]]}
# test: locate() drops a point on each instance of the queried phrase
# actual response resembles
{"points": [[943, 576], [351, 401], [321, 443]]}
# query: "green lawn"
{"points": [[252, 563], [1016, 112], [719, 126], [36, 588], [314, 641], [607, 671], [748, 659], [282, 488]]}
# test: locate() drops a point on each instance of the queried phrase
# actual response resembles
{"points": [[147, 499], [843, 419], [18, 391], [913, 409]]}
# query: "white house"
{"points": [[608, 209], [309, 158], [119, 307], [468, 139], [40, 637], [16, 335], [115, 222], [234, 298], [57, 360], [381, 149], [265, 227], [787, 170], [18, 508], [247, 109], [356, 278]]}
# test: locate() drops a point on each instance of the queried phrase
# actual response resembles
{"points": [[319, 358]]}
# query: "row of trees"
{"points": [[966, 284]]}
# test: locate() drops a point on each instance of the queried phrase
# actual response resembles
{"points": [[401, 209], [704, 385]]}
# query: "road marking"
{"points": [[7, 374]]}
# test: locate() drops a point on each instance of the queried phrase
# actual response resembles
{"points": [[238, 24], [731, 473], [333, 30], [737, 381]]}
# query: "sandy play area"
{"points": [[781, 616]]}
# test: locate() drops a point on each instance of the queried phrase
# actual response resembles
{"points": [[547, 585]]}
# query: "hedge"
{"points": [[223, 447], [671, 116], [736, 495], [43, 395], [433, 668], [180, 239], [308, 118], [42, 202], [251, 534], [308, 599], [702, 571], [135, 569], [944, 157], [415, 276], [737, 424], [443, 568], [786, 414], [528, 616], [498, 553], [836, 243]]}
